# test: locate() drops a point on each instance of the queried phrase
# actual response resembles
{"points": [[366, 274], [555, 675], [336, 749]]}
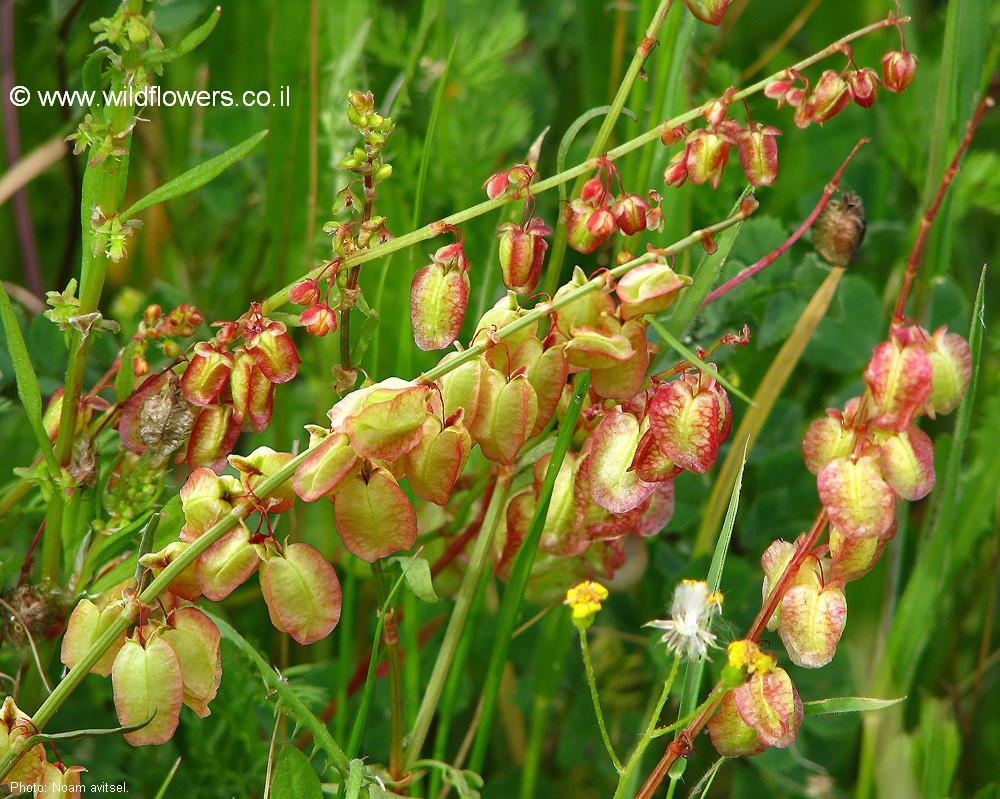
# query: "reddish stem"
{"points": [[675, 749], [773, 256], [925, 224]]}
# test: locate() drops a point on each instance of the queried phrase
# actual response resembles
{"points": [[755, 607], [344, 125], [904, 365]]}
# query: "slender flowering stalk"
{"points": [[280, 297]]}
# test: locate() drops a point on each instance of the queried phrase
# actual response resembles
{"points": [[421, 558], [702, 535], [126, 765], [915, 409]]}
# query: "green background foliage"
{"points": [[518, 68]]}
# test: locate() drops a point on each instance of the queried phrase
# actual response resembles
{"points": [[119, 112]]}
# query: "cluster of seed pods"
{"points": [[867, 457], [227, 387]]}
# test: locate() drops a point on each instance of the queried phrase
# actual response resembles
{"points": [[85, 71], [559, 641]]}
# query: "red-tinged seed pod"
{"points": [[778, 90], [731, 736], [301, 591], [827, 438], [613, 447], [907, 463], [864, 86], [206, 373], [305, 292], [707, 154], [676, 172], [689, 418], [630, 212], [861, 504], [812, 620], [830, 96], [770, 704], [587, 228], [274, 352], [522, 250], [758, 149], [898, 69], [899, 377], [318, 319], [593, 192], [951, 370], [373, 515], [496, 185], [710, 11], [438, 299], [649, 289]]}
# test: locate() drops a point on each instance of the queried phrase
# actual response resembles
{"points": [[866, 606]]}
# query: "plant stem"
{"points": [[433, 229], [130, 612], [913, 262], [773, 256], [390, 637], [650, 734], [588, 667], [560, 242], [456, 624]]}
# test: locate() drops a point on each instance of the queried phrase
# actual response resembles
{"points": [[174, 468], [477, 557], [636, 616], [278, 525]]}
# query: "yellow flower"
{"points": [[585, 599]]}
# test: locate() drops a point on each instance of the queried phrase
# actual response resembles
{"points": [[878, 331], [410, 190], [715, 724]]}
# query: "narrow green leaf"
{"points": [[696, 362], [289, 699], [695, 670], [570, 136], [705, 275], [189, 42], [847, 704], [27, 381], [162, 792], [520, 572], [196, 177], [294, 777]]}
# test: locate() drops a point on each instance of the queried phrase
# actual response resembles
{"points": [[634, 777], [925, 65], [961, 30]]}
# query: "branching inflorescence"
{"points": [[508, 392]]}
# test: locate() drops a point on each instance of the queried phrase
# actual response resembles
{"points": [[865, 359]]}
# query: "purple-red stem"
{"points": [[680, 744], [913, 262], [773, 256]]}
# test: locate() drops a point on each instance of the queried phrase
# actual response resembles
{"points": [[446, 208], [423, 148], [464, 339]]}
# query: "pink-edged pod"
{"points": [[373, 515], [301, 591]]}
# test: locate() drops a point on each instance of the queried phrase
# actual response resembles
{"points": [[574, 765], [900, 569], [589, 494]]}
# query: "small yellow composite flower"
{"points": [[585, 599], [686, 631]]}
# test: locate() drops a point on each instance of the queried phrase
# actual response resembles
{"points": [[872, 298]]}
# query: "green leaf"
{"points": [[197, 177], [290, 701], [189, 42], [705, 275], [27, 381], [294, 777], [417, 572], [167, 780], [847, 704]]}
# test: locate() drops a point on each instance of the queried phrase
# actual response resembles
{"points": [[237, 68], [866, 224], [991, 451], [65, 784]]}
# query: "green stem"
{"points": [[592, 684], [103, 191], [456, 624], [390, 638], [280, 297], [129, 613], [597, 284], [560, 242], [651, 733]]}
